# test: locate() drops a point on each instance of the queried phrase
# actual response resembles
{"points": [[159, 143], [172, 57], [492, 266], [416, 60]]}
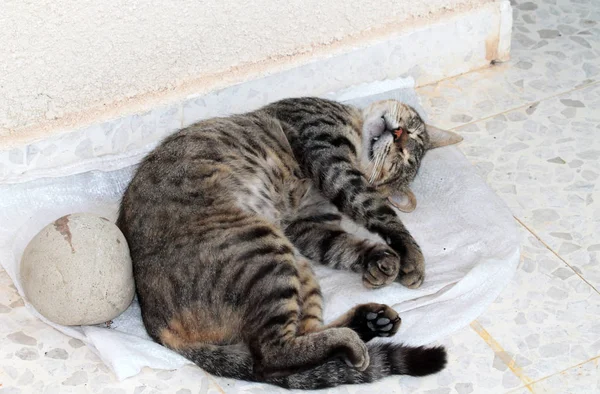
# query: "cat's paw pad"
{"points": [[381, 267], [375, 320]]}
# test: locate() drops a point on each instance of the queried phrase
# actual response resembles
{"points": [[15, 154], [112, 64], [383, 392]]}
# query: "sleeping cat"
{"points": [[222, 217]]}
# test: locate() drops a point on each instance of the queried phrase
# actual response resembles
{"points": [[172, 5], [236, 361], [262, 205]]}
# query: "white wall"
{"points": [[65, 63]]}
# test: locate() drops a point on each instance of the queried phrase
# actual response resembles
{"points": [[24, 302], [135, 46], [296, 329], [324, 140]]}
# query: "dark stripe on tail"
{"points": [[387, 359]]}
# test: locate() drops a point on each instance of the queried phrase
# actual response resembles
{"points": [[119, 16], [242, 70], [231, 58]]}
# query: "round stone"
{"points": [[77, 271]]}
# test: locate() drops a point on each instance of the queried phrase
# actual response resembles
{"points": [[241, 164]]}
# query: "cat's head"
{"points": [[395, 139]]}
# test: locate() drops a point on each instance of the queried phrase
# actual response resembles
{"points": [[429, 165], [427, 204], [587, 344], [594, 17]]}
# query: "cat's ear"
{"points": [[404, 200], [439, 137]]}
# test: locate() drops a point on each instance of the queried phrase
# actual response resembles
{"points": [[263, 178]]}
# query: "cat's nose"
{"points": [[397, 133]]}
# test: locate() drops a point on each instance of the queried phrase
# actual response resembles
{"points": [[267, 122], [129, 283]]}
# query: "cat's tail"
{"points": [[386, 359]]}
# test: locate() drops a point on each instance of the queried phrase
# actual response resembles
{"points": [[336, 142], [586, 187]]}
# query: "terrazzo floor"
{"points": [[532, 129]]}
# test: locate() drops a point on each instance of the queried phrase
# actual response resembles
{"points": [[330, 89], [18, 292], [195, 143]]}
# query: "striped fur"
{"points": [[221, 217]]}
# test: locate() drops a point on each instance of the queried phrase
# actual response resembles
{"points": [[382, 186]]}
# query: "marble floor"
{"points": [[532, 129]]}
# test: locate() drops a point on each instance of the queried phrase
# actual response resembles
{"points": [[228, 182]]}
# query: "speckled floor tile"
{"points": [[544, 161], [555, 48], [582, 379], [547, 319], [35, 358]]}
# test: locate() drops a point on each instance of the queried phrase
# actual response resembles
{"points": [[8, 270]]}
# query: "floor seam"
{"points": [[554, 374], [214, 381], [528, 104], [499, 352], [555, 253], [485, 67]]}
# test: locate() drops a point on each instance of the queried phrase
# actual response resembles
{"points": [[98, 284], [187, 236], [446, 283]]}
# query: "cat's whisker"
{"points": [[383, 156], [379, 161], [395, 110], [374, 171]]}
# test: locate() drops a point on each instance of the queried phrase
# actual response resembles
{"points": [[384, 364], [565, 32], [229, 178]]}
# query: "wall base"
{"points": [[446, 48]]}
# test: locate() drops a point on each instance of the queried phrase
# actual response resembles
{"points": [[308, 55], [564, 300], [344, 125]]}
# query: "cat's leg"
{"points": [[367, 320], [328, 156], [316, 232], [311, 299], [238, 282], [283, 340], [269, 288], [341, 183]]}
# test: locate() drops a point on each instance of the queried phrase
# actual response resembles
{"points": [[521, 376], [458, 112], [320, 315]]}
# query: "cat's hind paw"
{"points": [[374, 320]]}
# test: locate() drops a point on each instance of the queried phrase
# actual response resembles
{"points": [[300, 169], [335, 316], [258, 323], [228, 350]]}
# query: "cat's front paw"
{"points": [[412, 268], [382, 265]]}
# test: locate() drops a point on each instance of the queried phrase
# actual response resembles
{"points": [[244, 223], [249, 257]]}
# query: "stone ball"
{"points": [[77, 271]]}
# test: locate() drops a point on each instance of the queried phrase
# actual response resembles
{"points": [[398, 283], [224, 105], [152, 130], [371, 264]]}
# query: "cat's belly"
{"points": [[260, 198], [274, 202]]}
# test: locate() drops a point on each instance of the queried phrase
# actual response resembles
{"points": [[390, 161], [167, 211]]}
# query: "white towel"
{"points": [[467, 234]]}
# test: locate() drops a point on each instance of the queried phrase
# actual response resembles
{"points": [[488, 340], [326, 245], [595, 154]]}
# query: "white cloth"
{"points": [[467, 234]]}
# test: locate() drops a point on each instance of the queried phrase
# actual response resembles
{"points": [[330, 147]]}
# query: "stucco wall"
{"points": [[64, 62]]}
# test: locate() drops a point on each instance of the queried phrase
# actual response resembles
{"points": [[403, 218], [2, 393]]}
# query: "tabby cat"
{"points": [[223, 216]]}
